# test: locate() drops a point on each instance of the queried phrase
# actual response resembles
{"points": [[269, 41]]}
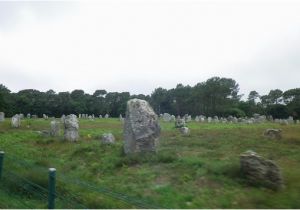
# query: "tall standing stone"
{"points": [[141, 128], [16, 121], [2, 116], [71, 128], [54, 128]]}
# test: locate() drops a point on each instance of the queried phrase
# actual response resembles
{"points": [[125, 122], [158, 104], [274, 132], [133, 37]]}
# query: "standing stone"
{"points": [[108, 138], [100, 116], [167, 117], [54, 128], [141, 128], [187, 118], [258, 170], [290, 120], [173, 118], [270, 118], [297, 121], [179, 123], [62, 119], [230, 118], [197, 119], [184, 130], [250, 121], [256, 116], [234, 120], [202, 119], [28, 116], [106, 116], [21, 116], [273, 133], [71, 128], [209, 119], [34, 116], [16, 121], [216, 119], [2, 116]]}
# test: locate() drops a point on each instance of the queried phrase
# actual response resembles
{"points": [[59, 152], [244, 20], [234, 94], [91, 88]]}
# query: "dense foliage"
{"points": [[215, 96]]}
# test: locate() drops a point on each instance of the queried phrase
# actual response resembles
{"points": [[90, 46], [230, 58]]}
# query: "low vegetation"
{"points": [[200, 170]]}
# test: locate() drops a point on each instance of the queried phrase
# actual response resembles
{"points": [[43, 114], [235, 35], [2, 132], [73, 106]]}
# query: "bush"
{"points": [[235, 112]]}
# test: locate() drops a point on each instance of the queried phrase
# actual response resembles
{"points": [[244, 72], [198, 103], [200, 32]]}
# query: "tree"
{"points": [[292, 99], [99, 93], [159, 100], [6, 102], [275, 96], [253, 95]]}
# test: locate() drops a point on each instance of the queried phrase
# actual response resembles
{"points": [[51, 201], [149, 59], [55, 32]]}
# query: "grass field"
{"points": [[196, 171]]}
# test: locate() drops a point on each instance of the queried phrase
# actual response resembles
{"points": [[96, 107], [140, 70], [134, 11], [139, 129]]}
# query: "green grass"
{"points": [[196, 171]]}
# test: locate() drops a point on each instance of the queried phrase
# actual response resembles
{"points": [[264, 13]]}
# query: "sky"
{"points": [[137, 46]]}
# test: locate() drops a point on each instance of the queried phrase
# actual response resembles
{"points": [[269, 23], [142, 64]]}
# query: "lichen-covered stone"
{"points": [[108, 138], [2, 116], [141, 127], [258, 170], [184, 130], [179, 123], [16, 121], [71, 128], [54, 128], [273, 133]]}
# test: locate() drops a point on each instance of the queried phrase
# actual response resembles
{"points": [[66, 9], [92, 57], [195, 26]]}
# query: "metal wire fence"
{"points": [[29, 183]]}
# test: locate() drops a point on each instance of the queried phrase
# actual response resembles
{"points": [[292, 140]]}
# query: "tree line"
{"points": [[215, 96]]}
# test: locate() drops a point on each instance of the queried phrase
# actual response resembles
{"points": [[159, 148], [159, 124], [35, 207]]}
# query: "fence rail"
{"points": [[50, 195]]}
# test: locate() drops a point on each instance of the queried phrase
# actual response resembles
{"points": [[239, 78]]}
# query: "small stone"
{"points": [[184, 130], [179, 123], [108, 138], [273, 133]]}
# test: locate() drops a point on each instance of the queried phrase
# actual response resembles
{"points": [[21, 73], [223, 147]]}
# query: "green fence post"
{"points": [[51, 193], [1, 162]]}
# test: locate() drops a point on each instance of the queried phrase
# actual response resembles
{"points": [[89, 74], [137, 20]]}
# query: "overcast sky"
{"points": [[137, 46]]}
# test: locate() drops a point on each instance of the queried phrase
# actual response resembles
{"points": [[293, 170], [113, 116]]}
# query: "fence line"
{"points": [[66, 198]]}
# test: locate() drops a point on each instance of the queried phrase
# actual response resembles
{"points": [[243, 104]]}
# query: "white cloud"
{"points": [[137, 46]]}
